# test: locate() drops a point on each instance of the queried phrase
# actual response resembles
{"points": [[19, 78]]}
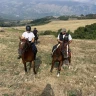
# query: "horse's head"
{"points": [[65, 48], [65, 44], [23, 44]]}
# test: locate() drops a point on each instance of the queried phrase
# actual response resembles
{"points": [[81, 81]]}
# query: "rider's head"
{"points": [[35, 28], [28, 28], [63, 31]]}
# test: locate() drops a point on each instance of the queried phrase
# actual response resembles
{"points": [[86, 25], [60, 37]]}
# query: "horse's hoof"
{"points": [[26, 73], [51, 71], [35, 73], [58, 75], [69, 67]]}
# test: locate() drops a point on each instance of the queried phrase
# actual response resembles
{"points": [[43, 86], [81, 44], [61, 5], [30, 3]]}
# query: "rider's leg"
{"points": [[34, 49]]}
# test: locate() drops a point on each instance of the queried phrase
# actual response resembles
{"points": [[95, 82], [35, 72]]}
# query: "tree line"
{"points": [[42, 21], [87, 32]]}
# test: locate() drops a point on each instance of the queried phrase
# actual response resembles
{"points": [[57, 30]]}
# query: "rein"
{"points": [[25, 48]]}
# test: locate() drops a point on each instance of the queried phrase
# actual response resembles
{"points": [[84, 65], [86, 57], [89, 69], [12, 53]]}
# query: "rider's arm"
{"points": [[33, 38], [70, 39], [23, 35], [59, 41], [32, 41]]}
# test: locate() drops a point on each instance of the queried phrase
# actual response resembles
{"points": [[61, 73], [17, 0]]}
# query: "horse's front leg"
{"points": [[25, 68], [69, 59], [52, 66], [59, 68], [30, 65], [33, 65]]}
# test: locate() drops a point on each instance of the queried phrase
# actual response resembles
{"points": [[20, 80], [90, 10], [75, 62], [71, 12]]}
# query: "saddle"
{"points": [[66, 53]]}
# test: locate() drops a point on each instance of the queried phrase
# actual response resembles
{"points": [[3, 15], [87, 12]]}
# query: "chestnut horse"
{"points": [[60, 54], [27, 54]]}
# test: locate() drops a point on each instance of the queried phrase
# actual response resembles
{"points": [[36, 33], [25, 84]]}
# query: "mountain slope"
{"points": [[31, 9]]}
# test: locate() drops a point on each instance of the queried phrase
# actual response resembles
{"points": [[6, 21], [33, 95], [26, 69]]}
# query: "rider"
{"points": [[35, 31], [28, 34], [64, 36]]}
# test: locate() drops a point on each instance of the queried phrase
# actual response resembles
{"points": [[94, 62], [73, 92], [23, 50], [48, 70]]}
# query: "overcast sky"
{"points": [[88, 1], [83, 1], [78, 0]]}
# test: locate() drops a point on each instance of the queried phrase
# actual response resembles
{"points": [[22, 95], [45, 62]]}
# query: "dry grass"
{"points": [[69, 25], [79, 80]]}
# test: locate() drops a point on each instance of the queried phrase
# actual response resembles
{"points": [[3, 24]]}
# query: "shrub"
{"points": [[87, 32]]}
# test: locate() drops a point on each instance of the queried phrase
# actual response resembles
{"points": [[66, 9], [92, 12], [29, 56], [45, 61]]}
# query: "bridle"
{"points": [[25, 46], [65, 47]]}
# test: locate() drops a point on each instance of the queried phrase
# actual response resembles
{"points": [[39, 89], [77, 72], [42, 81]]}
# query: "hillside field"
{"points": [[56, 25], [79, 80]]}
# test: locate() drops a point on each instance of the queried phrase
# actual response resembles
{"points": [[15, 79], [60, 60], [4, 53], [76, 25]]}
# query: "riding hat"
{"points": [[28, 28], [63, 30]]}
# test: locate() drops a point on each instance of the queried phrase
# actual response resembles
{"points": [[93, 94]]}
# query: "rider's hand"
{"points": [[61, 41]]}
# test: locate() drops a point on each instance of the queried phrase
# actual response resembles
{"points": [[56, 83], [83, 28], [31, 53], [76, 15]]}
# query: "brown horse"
{"points": [[60, 54], [27, 54]]}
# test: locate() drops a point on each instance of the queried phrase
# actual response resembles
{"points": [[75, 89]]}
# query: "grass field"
{"points": [[69, 25], [79, 80]]}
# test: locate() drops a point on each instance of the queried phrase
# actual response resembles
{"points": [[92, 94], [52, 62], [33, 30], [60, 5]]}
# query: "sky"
{"points": [[79, 0], [88, 1], [83, 1]]}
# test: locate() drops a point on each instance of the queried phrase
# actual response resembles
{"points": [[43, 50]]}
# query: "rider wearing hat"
{"points": [[63, 35]]}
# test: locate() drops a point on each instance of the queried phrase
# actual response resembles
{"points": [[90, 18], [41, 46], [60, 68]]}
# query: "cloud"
{"points": [[85, 1], [76, 0], [81, 1]]}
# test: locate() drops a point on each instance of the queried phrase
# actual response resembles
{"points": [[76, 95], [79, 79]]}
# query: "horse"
{"points": [[35, 31], [36, 38], [27, 54], [60, 54]]}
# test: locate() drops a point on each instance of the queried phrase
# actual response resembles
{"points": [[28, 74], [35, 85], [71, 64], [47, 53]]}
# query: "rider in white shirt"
{"points": [[30, 36]]}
